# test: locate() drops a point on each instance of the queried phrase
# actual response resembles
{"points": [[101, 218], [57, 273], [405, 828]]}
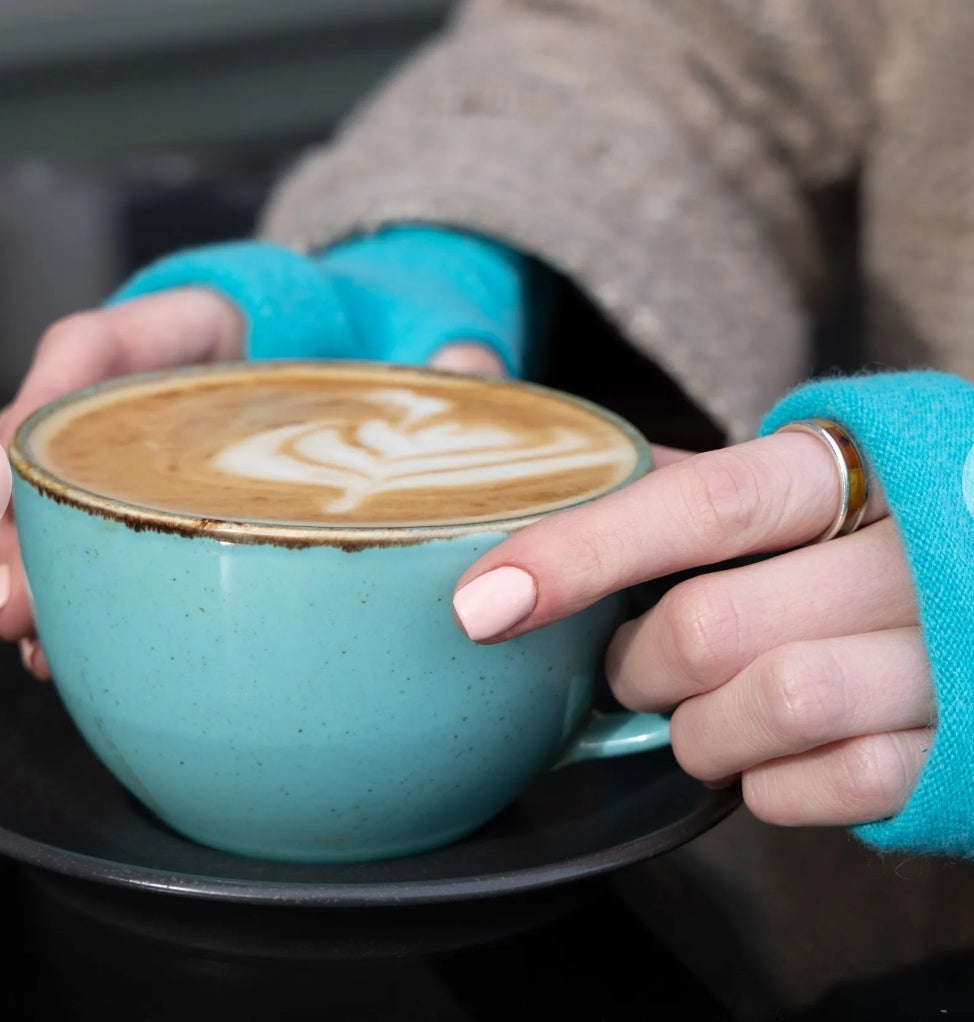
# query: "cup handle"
{"points": [[605, 735]]}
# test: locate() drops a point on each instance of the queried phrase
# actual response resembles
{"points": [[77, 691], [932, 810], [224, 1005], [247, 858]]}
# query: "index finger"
{"points": [[770, 494]]}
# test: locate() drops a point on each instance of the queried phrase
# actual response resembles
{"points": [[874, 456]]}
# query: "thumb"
{"points": [[152, 332]]}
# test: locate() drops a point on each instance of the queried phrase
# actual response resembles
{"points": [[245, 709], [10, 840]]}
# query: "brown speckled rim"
{"points": [[348, 537]]}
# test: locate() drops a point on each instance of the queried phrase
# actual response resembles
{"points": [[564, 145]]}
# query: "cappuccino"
{"points": [[334, 444], [214, 597]]}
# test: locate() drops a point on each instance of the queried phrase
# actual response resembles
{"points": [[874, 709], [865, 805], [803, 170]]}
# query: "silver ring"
{"points": [[852, 473]]}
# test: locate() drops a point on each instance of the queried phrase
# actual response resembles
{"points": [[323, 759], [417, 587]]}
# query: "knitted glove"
{"points": [[396, 296], [916, 430]]}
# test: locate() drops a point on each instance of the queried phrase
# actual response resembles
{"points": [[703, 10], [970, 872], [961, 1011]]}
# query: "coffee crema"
{"points": [[334, 444]]}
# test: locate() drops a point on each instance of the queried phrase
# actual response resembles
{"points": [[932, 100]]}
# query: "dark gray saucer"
{"points": [[61, 811]]}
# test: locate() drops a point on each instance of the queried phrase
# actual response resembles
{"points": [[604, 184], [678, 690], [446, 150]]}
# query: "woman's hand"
{"points": [[156, 332], [173, 328], [804, 673]]}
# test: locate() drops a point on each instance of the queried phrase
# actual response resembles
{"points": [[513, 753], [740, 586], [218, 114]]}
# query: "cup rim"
{"points": [[351, 537]]}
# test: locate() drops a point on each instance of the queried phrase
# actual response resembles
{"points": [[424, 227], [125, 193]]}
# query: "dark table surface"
{"points": [[596, 961]]}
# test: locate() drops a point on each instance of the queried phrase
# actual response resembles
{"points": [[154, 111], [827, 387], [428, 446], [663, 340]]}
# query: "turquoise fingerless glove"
{"points": [[916, 430], [396, 296]]}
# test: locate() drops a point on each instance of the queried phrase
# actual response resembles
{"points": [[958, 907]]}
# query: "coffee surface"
{"points": [[335, 446]]}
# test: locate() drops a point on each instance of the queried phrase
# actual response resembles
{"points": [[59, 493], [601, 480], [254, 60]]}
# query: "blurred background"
{"points": [[129, 128]]}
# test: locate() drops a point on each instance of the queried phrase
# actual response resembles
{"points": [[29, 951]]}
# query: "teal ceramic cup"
{"points": [[302, 693]]}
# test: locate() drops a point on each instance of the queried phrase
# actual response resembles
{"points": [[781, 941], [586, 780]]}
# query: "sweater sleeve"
{"points": [[661, 156], [398, 295], [916, 430]]}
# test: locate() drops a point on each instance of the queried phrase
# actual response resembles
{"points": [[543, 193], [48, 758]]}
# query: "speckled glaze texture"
{"points": [[306, 704]]}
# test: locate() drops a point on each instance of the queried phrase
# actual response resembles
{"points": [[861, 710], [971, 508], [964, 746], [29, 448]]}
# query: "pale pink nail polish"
{"points": [[4, 585], [495, 602]]}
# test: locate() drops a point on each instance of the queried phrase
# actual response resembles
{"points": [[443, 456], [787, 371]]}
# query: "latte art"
{"points": [[333, 444], [414, 442]]}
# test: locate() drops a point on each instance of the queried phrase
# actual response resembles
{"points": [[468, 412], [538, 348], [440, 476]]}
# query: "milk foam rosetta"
{"points": [[412, 442], [339, 446]]}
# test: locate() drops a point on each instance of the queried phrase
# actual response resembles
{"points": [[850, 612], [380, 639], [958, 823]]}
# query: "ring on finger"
{"points": [[852, 473]]}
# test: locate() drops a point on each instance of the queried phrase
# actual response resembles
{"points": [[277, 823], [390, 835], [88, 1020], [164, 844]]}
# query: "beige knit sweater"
{"points": [[676, 158]]}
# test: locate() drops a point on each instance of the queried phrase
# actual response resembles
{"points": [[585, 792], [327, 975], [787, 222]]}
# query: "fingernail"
{"points": [[4, 585], [34, 659], [494, 602], [28, 650], [6, 483]]}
